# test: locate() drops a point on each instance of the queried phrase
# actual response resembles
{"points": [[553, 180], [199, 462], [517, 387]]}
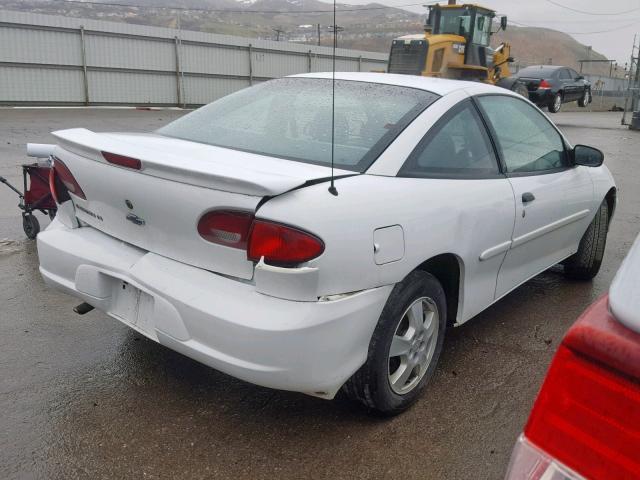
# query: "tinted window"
{"points": [[537, 72], [527, 140], [457, 146], [564, 74], [291, 118], [574, 74]]}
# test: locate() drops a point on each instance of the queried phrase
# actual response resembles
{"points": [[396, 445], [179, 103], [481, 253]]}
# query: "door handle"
{"points": [[528, 197]]}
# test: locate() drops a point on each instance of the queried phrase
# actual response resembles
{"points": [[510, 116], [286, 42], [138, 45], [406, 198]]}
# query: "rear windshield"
{"points": [[291, 118], [537, 72]]}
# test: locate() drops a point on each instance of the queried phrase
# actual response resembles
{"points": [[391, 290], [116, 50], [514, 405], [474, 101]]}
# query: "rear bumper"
{"points": [[309, 347], [541, 97]]}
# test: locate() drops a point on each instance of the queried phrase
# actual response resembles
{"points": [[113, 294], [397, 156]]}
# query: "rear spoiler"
{"points": [[171, 166]]}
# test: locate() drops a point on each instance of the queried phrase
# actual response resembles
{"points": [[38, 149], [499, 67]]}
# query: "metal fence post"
{"points": [[85, 80], [360, 63], [178, 82], [250, 64], [309, 61]]}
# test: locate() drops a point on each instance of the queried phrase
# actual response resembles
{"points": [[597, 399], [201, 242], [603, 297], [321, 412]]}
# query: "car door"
{"points": [[460, 196], [568, 87], [553, 198], [578, 84]]}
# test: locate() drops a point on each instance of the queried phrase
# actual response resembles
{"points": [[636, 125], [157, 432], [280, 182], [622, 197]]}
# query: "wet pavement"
{"points": [[86, 397]]}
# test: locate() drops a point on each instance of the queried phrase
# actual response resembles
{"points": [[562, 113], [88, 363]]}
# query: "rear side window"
{"points": [[529, 143], [292, 118], [564, 74], [456, 147]]}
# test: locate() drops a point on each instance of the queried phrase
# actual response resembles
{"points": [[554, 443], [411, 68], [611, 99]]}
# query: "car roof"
{"points": [[544, 67], [439, 86]]}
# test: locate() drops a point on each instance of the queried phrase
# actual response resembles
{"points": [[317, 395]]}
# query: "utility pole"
{"points": [[278, 32], [337, 29], [632, 88], [318, 34]]}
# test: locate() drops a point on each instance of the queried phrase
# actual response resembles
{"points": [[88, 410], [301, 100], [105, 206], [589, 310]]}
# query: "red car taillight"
{"points": [[544, 84], [278, 244], [61, 173], [587, 414], [226, 227], [282, 245]]}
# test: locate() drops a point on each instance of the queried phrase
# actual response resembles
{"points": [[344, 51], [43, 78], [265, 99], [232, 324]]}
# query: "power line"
{"points": [[299, 12], [552, 2], [227, 10], [520, 24]]}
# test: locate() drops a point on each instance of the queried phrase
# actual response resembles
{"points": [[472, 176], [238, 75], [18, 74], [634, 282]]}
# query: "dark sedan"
{"points": [[550, 86]]}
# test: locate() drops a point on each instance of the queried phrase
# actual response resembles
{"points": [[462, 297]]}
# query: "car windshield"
{"points": [[291, 118], [536, 72]]}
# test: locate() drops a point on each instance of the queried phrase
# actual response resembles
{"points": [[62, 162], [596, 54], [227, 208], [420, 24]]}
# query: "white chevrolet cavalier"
{"points": [[217, 236]]}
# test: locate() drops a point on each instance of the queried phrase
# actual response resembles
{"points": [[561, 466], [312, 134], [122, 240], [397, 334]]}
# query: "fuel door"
{"points": [[388, 244]]}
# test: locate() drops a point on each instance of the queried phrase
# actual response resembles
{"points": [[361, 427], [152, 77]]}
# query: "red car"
{"points": [[585, 422]]}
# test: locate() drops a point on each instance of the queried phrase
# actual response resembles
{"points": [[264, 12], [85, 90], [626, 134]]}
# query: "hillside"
{"points": [[366, 27]]}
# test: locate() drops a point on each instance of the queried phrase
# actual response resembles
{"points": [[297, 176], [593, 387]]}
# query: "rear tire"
{"points": [[520, 89], [379, 383], [586, 98], [585, 263], [556, 103], [30, 225]]}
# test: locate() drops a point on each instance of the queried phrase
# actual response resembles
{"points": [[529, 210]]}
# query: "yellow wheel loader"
{"points": [[456, 44]]}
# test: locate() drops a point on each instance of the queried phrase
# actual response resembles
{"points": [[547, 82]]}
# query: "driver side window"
{"points": [[529, 143]]}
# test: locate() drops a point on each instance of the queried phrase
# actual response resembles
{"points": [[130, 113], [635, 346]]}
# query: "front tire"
{"points": [[585, 263], [404, 348], [556, 103], [586, 98]]}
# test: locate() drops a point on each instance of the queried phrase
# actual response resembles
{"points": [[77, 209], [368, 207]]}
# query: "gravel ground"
{"points": [[86, 397]]}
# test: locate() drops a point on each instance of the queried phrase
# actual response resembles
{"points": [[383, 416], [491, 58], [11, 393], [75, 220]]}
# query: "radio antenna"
{"points": [[332, 188]]}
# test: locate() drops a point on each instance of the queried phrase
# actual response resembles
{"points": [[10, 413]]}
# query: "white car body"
{"points": [[307, 328]]}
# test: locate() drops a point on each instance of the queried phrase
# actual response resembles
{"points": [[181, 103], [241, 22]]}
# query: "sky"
{"points": [[602, 15]]}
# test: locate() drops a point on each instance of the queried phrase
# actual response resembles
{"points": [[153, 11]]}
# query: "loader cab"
{"points": [[471, 22], [455, 44]]}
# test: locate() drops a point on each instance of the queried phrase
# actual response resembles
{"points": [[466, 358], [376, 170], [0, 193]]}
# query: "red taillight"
{"points": [[226, 227], [66, 177], [544, 84], [587, 415], [278, 244], [122, 160], [282, 245]]}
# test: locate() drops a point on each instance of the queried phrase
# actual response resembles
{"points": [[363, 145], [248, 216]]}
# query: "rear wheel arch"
{"points": [[611, 198], [448, 268]]}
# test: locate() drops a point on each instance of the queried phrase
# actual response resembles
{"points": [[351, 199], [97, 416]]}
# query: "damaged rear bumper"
{"points": [[305, 346]]}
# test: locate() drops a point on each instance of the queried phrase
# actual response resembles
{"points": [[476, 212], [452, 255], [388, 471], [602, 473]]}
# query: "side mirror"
{"points": [[579, 77], [587, 156], [503, 23]]}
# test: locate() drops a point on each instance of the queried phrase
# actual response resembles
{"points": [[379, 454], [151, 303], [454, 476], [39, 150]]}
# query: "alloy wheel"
{"points": [[557, 102], [413, 345]]}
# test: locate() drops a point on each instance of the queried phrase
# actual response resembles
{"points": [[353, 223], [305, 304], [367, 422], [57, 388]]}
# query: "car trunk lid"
{"points": [[158, 207], [531, 83]]}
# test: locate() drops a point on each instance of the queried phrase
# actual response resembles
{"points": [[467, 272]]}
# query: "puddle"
{"points": [[7, 247]]}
